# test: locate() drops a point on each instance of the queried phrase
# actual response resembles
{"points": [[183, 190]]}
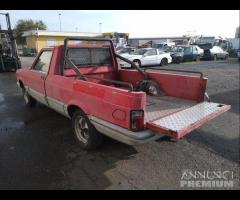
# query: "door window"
{"points": [[151, 52], [187, 50], [43, 61]]}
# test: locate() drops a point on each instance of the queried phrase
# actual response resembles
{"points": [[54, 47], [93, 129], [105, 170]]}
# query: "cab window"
{"points": [[88, 57], [43, 61]]}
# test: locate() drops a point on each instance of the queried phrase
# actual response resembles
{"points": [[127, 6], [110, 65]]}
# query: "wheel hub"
{"points": [[81, 128]]}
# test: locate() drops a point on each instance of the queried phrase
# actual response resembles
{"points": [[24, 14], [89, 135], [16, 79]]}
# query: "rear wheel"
{"points": [[85, 133], [137, 62], [29, 101], [163, 62]]}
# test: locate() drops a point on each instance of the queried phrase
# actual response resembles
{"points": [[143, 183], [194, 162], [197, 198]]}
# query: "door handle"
{"points": [[43, 77]]}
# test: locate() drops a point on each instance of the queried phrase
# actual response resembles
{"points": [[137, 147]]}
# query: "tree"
{"points": [[26, 25]]}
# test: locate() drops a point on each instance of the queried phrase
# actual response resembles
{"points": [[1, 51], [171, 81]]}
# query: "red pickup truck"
{"points": [[83, 81]]}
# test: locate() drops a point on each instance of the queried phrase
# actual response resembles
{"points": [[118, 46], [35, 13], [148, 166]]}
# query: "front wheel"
{"points": [[163, 62], [85, 133], [29, 101], [137, 62]]}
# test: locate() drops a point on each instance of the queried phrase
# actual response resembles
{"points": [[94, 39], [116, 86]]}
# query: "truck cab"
{"points": [[84, 82]]}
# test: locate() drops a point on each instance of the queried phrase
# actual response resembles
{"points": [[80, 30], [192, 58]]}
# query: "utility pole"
{"points": [[60, 22]]}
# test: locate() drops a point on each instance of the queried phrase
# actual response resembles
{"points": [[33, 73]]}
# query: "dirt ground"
{"points": [[38, 151]]}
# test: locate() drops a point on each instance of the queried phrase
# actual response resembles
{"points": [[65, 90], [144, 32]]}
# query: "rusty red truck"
{"points": [[83, 81]]}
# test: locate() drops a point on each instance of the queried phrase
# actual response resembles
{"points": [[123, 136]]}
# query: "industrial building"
{"points": [[38, 39], [135, 42]]}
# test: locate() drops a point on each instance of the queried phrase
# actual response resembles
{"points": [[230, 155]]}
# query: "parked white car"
{"points": [[148, 56], [217, 52]]}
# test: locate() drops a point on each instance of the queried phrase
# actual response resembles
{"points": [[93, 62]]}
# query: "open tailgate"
{"points": [[178, 124]]}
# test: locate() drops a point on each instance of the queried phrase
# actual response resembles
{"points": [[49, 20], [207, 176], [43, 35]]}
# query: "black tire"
{"points": [[138, 63], [85, 133], [29, 101], [178, 60], [163, 62]]}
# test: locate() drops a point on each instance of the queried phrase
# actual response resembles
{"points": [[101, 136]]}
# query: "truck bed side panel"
{"points": [[105, 102], [109, 103], [175, 85]]}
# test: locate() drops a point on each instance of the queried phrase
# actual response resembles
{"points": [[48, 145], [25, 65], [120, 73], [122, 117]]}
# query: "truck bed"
{"points": [[158, 107]]}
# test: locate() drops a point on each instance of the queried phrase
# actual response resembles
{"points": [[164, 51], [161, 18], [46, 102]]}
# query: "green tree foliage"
{"points": [[26, 25]]}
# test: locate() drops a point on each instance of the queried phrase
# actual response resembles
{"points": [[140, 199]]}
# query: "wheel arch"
{"points": [[71, 108], [21, 84], [137, 59], [164, 58]]}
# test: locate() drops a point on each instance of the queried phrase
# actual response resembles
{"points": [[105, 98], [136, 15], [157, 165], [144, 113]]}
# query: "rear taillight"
{"points": [[137, 120]]}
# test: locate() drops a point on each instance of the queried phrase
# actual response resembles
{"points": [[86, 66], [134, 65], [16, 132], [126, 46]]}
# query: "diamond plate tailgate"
{"points": [[183, 122]]}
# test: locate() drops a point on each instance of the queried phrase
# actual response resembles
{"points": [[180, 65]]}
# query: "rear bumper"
{"points": [[124, 135]]}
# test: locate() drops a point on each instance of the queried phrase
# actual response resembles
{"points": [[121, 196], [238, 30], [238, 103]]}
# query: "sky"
{"points": [[139, 23]]}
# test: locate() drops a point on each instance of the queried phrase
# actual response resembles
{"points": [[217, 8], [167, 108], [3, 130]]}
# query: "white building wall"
{"points": [[235, 42]]}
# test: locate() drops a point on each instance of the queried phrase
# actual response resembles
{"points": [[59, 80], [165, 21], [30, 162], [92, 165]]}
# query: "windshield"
{"points": [[139, 52], [125, 50], [177, 49]]}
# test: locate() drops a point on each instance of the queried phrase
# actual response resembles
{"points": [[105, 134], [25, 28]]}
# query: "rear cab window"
{"points": [[90, 57]]}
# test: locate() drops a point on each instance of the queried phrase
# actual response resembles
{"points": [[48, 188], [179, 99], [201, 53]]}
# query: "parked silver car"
{"points": [[218, 53]]}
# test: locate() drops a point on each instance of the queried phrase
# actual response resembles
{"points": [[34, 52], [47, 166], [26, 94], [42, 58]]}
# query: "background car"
{"points": [[213, 52], [177, 54], [148, 56], [182, 53], [218, 53]]}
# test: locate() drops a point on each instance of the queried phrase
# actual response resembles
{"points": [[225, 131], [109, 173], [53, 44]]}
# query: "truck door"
{"points": [[37, 76], [150, 57]]}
